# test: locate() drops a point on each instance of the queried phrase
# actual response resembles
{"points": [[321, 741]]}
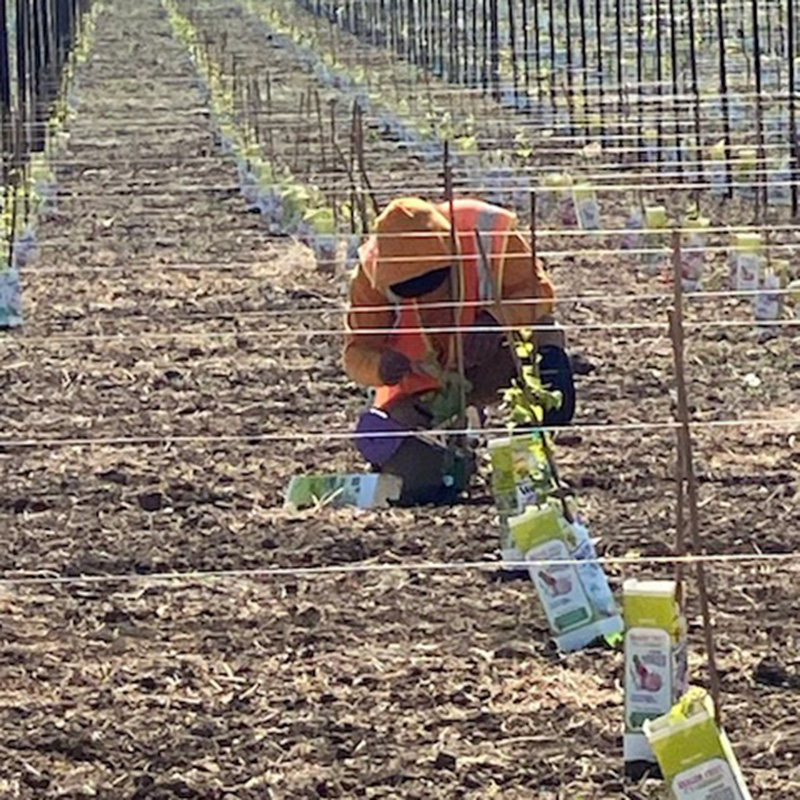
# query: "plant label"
{"points": [[694, 753], [655, 659], [363, 490], [576, 597]]}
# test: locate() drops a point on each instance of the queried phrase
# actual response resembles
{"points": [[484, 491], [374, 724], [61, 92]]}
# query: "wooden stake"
{"points": [[696, 93], [300, 110], [362, 166], [270, 133], [255, 93], [680, 469], [677, 336], [790, 47], [457, 282], [321, 126], [761, 162], [723, 90]]}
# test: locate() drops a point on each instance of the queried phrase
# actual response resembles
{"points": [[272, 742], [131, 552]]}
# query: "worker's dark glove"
{"points": [[393, 368], [482, 346]]}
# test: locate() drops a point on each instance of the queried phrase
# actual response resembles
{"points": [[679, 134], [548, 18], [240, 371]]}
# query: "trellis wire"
{"points": [[366, 568]]}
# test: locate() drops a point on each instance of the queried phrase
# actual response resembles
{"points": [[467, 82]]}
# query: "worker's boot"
{"points": [[432, 474]]}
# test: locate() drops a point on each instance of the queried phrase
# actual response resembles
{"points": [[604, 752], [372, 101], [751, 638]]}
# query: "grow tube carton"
{"points": [[655, 240], [587, 209], [655, 662], [747, 262], [576, 598], [719, 168], [363, 490], [695, 756], [521, 477], [694, 254]]}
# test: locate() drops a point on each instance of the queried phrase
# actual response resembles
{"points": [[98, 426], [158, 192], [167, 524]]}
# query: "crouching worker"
{"points": [[409, 289]]}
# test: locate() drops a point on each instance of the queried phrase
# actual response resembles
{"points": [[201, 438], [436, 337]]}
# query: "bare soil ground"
{"points": [[406, 684]]}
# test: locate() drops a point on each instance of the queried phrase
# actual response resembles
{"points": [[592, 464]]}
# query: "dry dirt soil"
{"points": [[168, 327]]}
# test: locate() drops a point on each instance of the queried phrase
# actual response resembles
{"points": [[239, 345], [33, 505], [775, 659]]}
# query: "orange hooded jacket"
{"points": [[413, 237]]}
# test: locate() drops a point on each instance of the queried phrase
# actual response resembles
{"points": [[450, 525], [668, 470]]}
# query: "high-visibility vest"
{"points": [[477, 281]]}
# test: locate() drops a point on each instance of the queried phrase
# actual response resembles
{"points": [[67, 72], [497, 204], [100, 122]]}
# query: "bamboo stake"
{"points": [[695, 90], [270, 133], [537, 58], [321, 127], [673, 50], [358, 140], [761, 184], [362, 164], [660, 85], [255, 96], [598, 21], [620, 98], [584, 66], [677, 336], [485, 48], [495, 47], [551, 31], [680, 468], [640, 74], [790, 47], [568, 34], [457, 281], [512, 32], [464, 43], [723, 89], [526, 55], [298, 137]]}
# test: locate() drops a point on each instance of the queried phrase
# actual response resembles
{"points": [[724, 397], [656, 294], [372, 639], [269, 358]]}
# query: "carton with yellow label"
{"points": [[656, 240], [521, 477], [694, 252], [747, 262], [655, 659], [718, 167], [695, 756], [587, 208], [746, 173], [575, 595]]}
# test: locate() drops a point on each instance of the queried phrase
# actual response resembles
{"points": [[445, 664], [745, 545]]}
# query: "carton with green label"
{"points": [[363, 490], [575, 595], [520, 477], [695, 756], [655, 659]]}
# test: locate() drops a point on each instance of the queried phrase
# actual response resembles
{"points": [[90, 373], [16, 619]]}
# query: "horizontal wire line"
{"points": [[143, 336], [419, 566], [147, 189], [673, 184], [203, 115], [533, 170], [525, 233], [306, 436], [551, 253], [588, 299]]}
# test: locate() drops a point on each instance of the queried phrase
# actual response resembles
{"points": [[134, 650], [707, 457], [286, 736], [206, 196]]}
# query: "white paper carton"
{"points": [[655, 659], [695, 756], [363, 490], [576, 598]]}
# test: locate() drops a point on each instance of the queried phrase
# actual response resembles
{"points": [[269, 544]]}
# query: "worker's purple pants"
{"points": [[374, 432]]}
